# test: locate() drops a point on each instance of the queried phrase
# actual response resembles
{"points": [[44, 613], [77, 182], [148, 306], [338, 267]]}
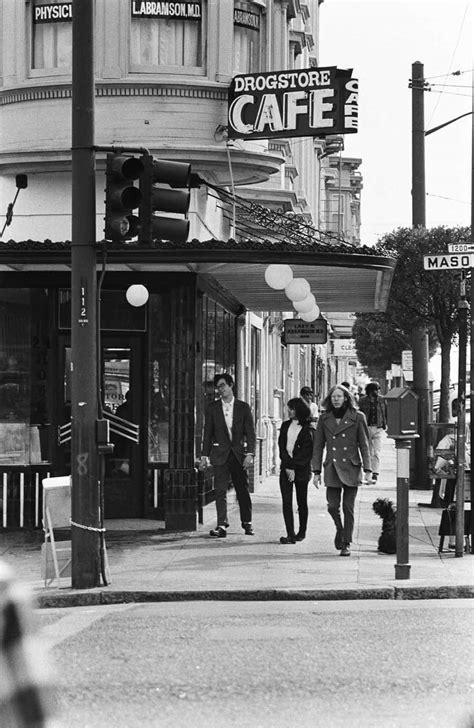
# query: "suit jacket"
{"points": [[347, 448], [302, 452], [217, 444]]}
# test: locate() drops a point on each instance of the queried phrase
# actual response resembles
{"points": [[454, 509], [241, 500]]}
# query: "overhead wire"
{"points": [[452, 59]]}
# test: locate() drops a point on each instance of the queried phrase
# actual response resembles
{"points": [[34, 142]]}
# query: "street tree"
{"points": [[417, 298]]}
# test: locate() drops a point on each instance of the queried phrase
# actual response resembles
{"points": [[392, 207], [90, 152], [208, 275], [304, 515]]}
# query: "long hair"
{"points": [[302, 411], [349, 399]]}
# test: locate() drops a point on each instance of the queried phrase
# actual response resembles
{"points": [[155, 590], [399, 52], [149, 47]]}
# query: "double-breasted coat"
{"points": [[347, 448], [217, 443]]}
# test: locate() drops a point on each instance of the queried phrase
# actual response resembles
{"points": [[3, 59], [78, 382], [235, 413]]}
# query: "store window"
{"points": [[249, 37], [159, 378], [218, 338], [168, 35], [255, 368], [24, 362], [51, 35]]}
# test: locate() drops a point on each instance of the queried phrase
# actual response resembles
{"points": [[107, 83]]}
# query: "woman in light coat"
{"points": [[342, 431]]}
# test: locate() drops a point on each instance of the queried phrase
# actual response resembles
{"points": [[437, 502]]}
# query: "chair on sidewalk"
{"points": [[56, 554], [447, 526]]}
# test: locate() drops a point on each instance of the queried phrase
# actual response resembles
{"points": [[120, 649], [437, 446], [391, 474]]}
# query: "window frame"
{"points": [[144, 70], [29, 47]]}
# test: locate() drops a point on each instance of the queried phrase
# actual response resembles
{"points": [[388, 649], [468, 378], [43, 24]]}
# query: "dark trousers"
{"points": [[232, 470], [301, 488], [333, 497]]}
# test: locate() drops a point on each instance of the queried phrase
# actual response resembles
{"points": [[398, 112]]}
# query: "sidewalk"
{"points": [[148, 564]]}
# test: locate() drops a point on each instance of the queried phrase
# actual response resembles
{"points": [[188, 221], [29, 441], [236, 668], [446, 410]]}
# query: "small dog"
{"points": [[384, 508]]}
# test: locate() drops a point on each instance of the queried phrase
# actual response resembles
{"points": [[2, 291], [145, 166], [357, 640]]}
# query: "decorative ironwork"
{"points": [[289, 226], [122, 427], [118, 426], [64, 433]]}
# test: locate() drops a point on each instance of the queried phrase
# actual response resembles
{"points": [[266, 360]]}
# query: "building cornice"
{"points": [[104, 90]]}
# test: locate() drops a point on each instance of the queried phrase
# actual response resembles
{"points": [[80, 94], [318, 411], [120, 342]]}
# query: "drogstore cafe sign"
{"points": [[309, 102], [61, 12]]}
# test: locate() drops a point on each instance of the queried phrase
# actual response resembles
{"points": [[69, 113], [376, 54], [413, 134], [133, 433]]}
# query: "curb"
{"points": [[96, 598]]}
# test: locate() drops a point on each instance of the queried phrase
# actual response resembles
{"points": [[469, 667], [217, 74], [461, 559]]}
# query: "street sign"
{"points": [[344, 347], [297, 331], [407, 360], [461, 248], [450, 261]]}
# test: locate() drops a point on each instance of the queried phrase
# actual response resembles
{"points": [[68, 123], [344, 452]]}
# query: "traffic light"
{"points": [[159, 194], [121, 197]]}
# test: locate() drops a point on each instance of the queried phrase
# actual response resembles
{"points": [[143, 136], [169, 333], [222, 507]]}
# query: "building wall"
{"points": [[178, 110]]}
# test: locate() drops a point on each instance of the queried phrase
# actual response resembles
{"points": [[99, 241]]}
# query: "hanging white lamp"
{"points": [[311, 315], [298, 289], [278, 276], [137, 295], [305, 305]]}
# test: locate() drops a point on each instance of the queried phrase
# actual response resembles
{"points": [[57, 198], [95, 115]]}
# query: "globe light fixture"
{"points": [[298, 289], [305, 305], [137, 295], [278, 276], [311, 315]]}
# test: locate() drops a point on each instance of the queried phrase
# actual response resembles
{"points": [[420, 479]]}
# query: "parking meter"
{"points": [[402, 425]]}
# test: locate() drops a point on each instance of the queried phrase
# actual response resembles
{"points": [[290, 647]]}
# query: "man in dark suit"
{"points": [[229, 446]]}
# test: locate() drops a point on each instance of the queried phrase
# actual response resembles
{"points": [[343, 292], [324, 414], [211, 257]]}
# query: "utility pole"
{"points": [[463, 309], [85, 529], [472, 321], [420, 335]]}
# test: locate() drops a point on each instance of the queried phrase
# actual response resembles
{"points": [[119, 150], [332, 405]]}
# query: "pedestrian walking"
{"points": [[307, 394], [374, 407], [229, 446], [342, 431], [295, 444], [26, 677]]}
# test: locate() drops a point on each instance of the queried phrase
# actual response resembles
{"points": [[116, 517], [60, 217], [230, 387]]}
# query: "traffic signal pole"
{"points": [[85, 473]]}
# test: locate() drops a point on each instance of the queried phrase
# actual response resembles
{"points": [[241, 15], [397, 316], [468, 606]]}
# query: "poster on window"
{"points": [[308, 102]]}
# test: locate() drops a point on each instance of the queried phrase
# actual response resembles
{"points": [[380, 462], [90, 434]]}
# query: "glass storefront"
{"points": [[24, 361]]}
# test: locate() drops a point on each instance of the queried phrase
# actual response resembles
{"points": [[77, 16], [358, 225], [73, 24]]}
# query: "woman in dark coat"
{"points": [[295, 443], [343, 431]]}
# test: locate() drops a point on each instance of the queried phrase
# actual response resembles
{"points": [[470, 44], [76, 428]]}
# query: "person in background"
{"points": [[342, 431], [374, 407], [307, 396], [295, 443], [228, 430], [25, 675]]}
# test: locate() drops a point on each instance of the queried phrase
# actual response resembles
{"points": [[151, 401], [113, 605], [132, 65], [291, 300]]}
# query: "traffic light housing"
{"points": [[121, 196], [158, 187]]}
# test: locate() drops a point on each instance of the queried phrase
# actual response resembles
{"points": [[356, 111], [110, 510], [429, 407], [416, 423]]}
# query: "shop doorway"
{"points": [[122, 387]]}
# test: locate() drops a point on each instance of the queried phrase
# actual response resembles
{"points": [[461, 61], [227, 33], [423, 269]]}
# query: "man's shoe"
{"points": [[218, 532], [287, 539], [346, 551], [248, 530], [338, 542], [300, 536], [374, 478]]}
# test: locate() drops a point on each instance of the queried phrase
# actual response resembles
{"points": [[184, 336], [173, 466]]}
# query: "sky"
{"points": [[380, 40]]}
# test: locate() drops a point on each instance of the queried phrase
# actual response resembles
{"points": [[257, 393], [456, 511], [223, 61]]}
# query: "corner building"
{"points": [[162, 73]]}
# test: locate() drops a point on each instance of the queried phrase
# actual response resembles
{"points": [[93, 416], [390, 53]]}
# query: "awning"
{"points": [[340, 281]]}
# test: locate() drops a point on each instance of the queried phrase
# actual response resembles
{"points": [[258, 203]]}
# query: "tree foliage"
{"points": [[417, 298]]}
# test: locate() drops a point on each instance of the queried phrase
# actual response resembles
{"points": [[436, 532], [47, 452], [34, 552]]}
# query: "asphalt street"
{"points": [[370, 664]]}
